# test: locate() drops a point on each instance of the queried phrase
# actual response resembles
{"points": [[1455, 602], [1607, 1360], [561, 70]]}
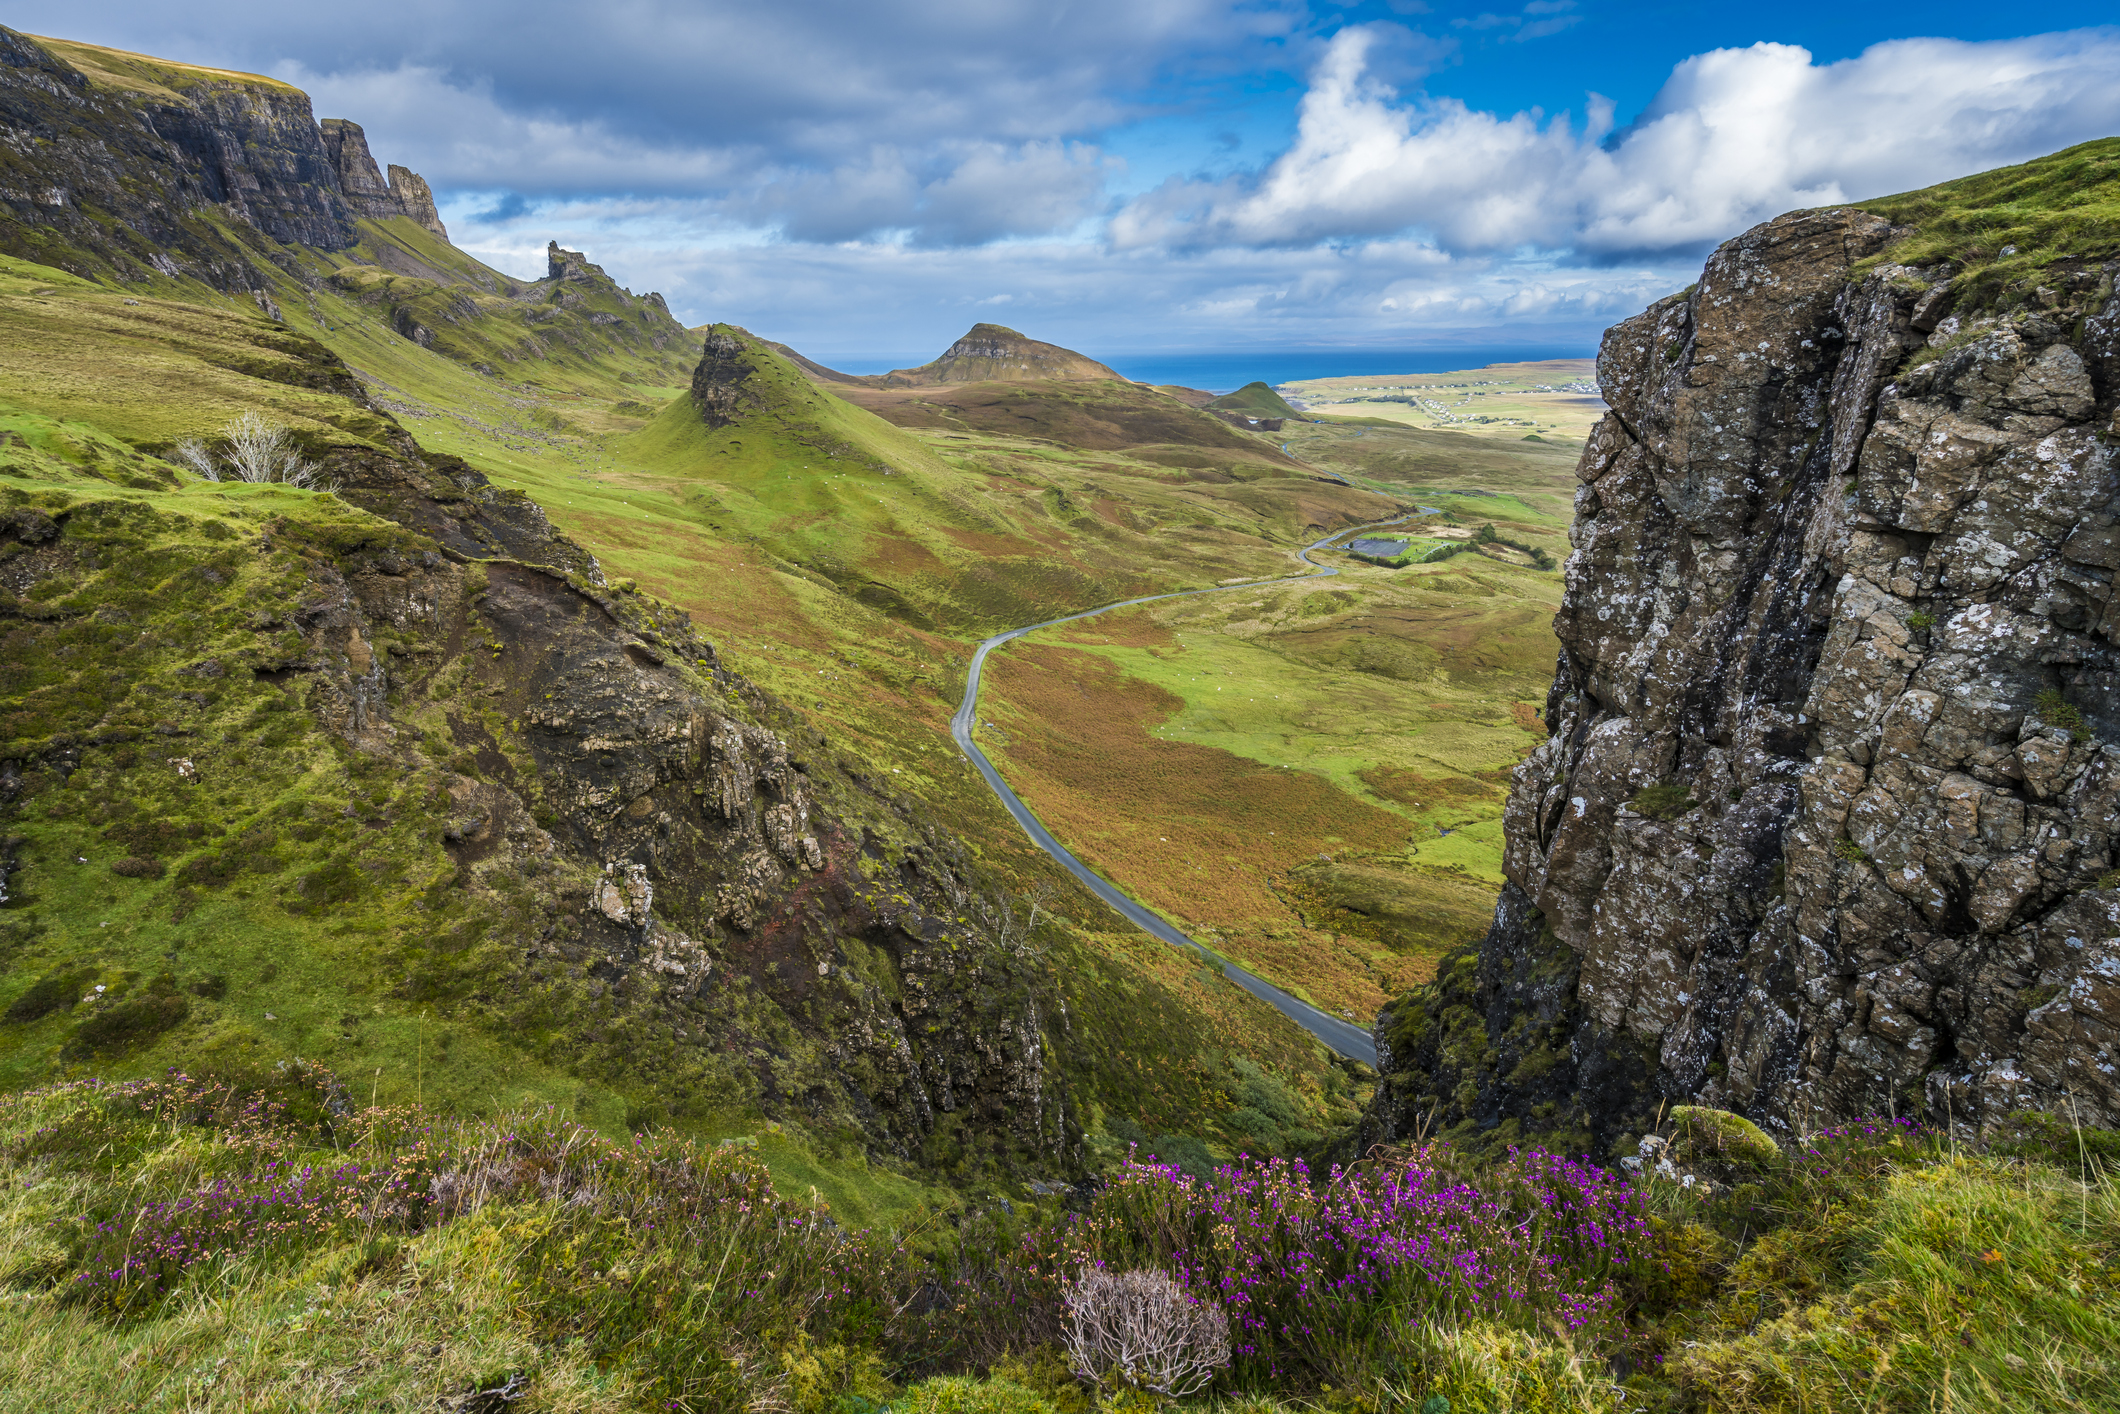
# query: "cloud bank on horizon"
{"points": [[864, 178]]}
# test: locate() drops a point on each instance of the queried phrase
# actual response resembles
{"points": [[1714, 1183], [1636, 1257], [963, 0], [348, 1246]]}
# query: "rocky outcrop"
{"points": [[1827, 819], [361, 181], [720, 383], [416, 200]]}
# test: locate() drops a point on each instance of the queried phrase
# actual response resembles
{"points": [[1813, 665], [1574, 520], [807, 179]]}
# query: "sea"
{"points": [[1221, 371]]}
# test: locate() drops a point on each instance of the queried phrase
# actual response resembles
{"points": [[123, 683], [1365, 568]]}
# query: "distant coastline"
{"points": [[1224, 372]]}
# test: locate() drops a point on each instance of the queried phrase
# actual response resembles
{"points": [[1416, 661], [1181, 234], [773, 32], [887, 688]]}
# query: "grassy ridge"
{"points": [[2008, 231]]}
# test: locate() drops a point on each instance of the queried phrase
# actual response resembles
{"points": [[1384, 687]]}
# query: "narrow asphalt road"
{"points": [[1342, 1035]]}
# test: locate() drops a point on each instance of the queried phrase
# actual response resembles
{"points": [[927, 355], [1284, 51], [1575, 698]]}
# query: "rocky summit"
{"points": [[995, 352], [1825, 825]]}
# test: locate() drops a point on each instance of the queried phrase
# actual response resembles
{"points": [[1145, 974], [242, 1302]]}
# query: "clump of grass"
{"points": [[1921, 621], [1846, 849], [1972, 1282], [2056, 710], [1667, 801]]}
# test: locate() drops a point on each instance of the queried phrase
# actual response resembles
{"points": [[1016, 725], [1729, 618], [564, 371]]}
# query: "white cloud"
{"points": [[894, 300], [1734, 137]]}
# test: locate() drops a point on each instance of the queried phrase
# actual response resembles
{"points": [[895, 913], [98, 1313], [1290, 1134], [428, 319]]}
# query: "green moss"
{"points": [[2058, 711], [1717, 1136]]}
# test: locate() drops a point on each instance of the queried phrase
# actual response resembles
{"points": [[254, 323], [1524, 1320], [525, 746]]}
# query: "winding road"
{"points": [[1342, 1035]]}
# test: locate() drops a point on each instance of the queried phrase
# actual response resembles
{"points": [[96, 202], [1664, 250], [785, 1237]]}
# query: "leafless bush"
{"points": [[192, 452], [1140, 1329], [254, 449]]}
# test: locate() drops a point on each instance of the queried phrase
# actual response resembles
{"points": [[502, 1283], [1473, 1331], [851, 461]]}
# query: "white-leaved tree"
{"points": [[1140, 1330], [253, 448]]}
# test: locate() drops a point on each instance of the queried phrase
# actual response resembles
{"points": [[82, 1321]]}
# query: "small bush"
{"points": [[252, 448], [1921, 620], [1846, 849], [1139, 1330], [46, 995], [136, 867], [126, 1024], [211, 869]]}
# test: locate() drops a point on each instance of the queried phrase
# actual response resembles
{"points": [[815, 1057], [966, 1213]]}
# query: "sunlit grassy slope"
{"points": [[89, 377], [2010, 230]]}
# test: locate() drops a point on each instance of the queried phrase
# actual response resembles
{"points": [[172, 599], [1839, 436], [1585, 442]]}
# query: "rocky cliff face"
{"points": [[362, 184], [109, 163], [1826, 824]]}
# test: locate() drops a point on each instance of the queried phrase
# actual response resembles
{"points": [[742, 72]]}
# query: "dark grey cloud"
{"points": [[829, 119]]}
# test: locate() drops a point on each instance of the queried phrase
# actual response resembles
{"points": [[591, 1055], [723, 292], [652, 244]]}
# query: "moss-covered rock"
{"points": [[1717, 1138]]}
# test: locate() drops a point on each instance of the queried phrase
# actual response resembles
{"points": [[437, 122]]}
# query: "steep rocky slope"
{"points": [[281, 771], [186, 182], [1826, 823]]}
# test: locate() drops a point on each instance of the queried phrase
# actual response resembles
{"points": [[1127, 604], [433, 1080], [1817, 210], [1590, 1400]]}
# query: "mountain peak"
{"points": [[361, 181], [996, 353]]}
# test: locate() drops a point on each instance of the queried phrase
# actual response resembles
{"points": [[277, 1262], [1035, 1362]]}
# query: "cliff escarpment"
{"points": [[115, 166], [362, 184], [1826, 822]]}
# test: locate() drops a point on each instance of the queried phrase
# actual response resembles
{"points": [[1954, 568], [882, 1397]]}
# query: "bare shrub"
{"points": [[192, 452], [1140, 1329], [254, 449]]}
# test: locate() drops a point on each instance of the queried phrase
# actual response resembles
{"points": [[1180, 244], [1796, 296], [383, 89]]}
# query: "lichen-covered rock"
{"points": [[1843, 582]]}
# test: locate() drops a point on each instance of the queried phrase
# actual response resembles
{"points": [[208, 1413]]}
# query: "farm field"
{"points": [[1553, 399]]}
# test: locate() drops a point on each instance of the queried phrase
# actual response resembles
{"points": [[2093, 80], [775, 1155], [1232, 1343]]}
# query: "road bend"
{"points": [[1343, 1036]]}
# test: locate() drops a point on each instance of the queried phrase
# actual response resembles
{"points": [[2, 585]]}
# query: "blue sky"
{"points": [[864, 178]]}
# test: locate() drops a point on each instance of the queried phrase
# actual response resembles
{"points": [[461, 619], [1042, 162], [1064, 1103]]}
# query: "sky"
{"points": [[865, 178]]}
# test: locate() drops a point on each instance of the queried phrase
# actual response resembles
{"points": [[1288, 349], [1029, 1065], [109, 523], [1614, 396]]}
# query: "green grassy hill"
{"points": [[438, 392], [1255, 400]]}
